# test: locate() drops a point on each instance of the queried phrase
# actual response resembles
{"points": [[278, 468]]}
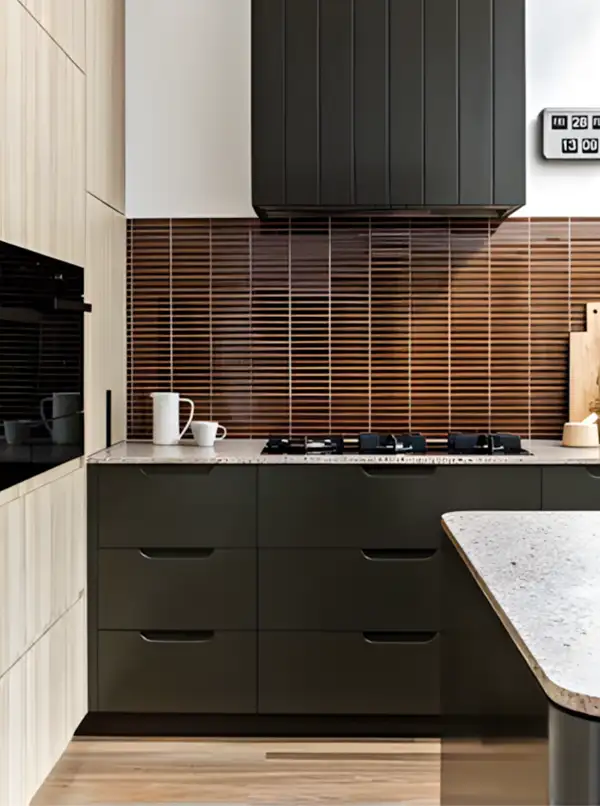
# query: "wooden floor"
{"points": [[244, 772]]}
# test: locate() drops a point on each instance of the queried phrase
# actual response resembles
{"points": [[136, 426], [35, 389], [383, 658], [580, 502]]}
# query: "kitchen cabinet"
{"points": [[307, 590], [170, 589], [377, 507], [348, 589], [354, 550], [571, 487], [42, 150], [349, 673], [177, 506], [388, 104], [177, 672]]}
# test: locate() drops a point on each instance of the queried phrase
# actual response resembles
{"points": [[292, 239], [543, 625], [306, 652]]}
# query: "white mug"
{"points": [[65, 426], [17, 432], [205, 433], [165, 421]]}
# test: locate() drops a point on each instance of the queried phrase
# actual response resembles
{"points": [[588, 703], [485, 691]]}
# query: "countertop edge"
{"points": [[545, 453], [573, 701]]}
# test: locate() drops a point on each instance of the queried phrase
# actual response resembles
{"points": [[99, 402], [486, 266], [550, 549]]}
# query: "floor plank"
{"points": [[106, 772]]}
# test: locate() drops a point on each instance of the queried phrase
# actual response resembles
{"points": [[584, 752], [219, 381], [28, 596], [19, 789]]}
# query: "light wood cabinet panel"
{"points": [[13, 633], [13, 18], [42, 562], [105, 64], [43, 698], [65, 22], [105, 359], [55, 538], [42, 157]]}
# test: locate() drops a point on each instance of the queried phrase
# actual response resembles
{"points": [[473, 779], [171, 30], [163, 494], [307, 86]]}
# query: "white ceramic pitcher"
{"points": [[165, 422]]}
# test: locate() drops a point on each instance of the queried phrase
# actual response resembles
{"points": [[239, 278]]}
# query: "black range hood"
{"points": [[388, 107]]}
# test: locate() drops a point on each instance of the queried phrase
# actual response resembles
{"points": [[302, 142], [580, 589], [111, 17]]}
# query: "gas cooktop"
{"points": [[472, 444]]}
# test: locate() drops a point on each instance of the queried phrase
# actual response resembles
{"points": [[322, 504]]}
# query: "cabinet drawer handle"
{"points": [[399, 637], [177, 637], [593, 471], [176, 554], [175, 470], [384, 555], [400, 471]]}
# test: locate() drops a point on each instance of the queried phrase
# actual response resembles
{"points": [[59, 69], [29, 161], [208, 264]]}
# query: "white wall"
{"points": [[563, 69], [188, 108], [188, 105]]}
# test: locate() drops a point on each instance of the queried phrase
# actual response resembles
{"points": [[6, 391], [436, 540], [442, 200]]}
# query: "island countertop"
{"points": [[540, 571], [249, 451]]}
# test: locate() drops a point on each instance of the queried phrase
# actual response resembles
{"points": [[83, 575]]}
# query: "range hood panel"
{"points": [[404, 107]]}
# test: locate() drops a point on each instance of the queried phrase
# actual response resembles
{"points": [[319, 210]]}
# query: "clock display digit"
{"points": [[580, 122], [570, 145], [560, 122], [596, 122], [590, 145]]}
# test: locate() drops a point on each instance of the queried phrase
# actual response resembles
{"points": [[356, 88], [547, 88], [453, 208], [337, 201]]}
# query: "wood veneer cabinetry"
{"points": [[105, 339], [42, 150], [105, 37], [64, 20]]}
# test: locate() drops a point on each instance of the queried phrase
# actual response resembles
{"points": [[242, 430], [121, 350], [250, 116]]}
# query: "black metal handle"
{"points": [[176, 554], [404, 471], [175, 469], [399, 637], [384, 555], [177, 637], [71, 306], [593, 471], [108, 418]]}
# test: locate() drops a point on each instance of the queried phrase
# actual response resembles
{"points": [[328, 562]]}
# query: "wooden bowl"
{"points": [[581, 435]]}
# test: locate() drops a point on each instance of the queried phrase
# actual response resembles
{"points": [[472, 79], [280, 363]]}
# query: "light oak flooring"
{"points": [[244, 772]]}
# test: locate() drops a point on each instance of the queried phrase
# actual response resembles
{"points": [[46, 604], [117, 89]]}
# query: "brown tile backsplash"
{"points": [[346, 325]]}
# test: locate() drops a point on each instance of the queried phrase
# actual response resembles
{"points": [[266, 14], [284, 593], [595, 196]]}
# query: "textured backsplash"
{"points": [[347, 325]]}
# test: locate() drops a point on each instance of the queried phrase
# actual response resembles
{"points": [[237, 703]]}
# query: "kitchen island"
{"points": [[540, 573]]}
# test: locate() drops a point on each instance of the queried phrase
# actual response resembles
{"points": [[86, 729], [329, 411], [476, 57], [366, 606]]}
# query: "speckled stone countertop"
{"points": [[541, 573], [248, 451]]}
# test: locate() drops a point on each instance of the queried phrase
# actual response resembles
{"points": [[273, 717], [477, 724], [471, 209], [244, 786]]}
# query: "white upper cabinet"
{"points": [[188, 108]]}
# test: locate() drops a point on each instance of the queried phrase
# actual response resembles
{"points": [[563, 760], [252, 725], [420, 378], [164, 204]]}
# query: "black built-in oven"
{"points": [[42, 312]]}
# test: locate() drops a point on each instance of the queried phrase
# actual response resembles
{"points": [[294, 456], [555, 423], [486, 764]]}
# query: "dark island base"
{"points": [[504, 743], [256, 725]]}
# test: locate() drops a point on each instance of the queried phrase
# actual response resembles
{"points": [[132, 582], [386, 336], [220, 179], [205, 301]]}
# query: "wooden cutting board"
{"points": [[584, 382]]}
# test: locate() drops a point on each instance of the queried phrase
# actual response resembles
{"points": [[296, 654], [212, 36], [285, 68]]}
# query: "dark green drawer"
{"points": [[349, 673], [182, 589], [348, 589], [177, 673]]}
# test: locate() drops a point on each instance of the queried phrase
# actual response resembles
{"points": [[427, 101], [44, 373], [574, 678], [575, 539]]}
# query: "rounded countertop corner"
{"points": [[540, 571]]}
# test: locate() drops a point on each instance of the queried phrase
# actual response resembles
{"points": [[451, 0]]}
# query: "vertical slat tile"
{"points": [[549, 326], [344, 325], [230, 303], [390, 311], [350, 342], [271, 326], [430, 388], [470, 326], [150, 319], [309, 302], [511, 305]]}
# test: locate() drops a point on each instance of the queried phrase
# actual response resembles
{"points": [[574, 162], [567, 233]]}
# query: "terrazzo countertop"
{"points": [[541, 573], [248, 451]]}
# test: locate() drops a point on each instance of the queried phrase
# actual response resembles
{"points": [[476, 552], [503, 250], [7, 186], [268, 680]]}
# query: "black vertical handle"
{"points": [[108, 418]]}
